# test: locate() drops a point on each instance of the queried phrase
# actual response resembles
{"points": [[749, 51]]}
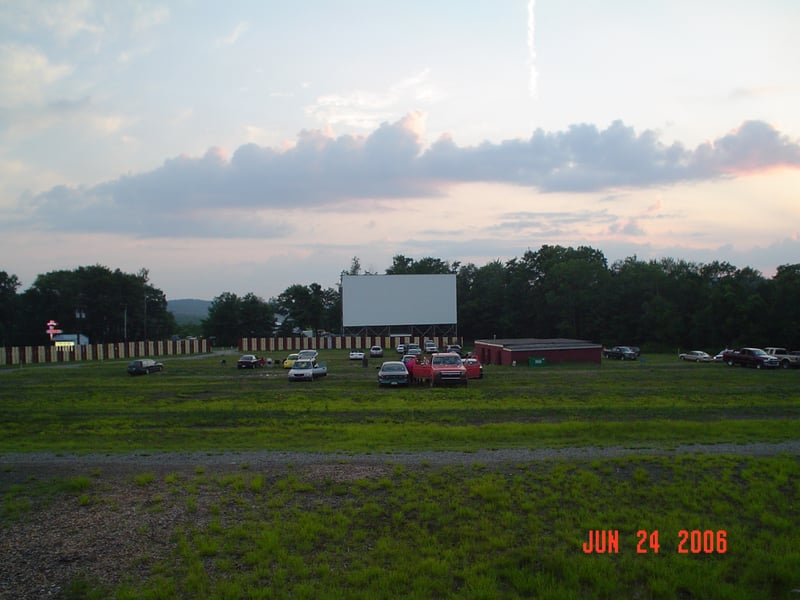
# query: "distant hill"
{"points": [[188, 310]]}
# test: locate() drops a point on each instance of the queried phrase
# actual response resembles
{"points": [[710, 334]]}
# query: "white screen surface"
{"points": [[381, 300]]}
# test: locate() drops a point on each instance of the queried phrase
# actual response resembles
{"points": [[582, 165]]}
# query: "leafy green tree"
{"points": [[231, 318], [750, 305], [577, 288], [332, 309], [785, 306], [556, 291], [223, 320], [402, 265], [103, 305], [257, 317], [310, 307], [483, 301], [355, 267], [716, 314], [9, 307], [295, 303]]}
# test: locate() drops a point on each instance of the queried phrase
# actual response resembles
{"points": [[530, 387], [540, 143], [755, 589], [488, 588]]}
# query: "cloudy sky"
{"points": [[246, 146]]}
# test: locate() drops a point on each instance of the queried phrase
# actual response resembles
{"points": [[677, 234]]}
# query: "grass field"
{"points": [[725, 525]]}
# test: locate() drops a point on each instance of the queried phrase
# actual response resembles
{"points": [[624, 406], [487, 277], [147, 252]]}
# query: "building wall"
{"points": [[499, 355]]}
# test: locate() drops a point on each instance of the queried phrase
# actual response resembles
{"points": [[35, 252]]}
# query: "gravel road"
{"points": [[270, 458]]}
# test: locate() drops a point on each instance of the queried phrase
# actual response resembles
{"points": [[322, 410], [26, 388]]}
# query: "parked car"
{"points": [[307, 370], [620, 353], [695, 356], [454, 348], [376, 352], [474, 368], [356, 355], [290, 360], [718, 355], [144, 366], [401, 348], [392, 373], [446, 367], [785, 358], [308, 355], [750, 357], [431, 347], [249, 361]]}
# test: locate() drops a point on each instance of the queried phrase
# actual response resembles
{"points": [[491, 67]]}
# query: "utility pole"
{"points": [[145, 315]]}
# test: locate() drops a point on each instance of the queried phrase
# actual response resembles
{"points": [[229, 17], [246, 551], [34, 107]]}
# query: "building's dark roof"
{"points": [[523, 344]]}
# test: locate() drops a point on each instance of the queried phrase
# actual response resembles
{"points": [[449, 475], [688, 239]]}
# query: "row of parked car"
{"points": [[303, 365], [766, 358], [430, 347], [436, 369], [440, 369]]}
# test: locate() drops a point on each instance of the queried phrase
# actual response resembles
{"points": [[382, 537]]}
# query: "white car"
{"points": [[695, 356], [308, 354], [307, 370], [356, 355], [376, 352], [718, 355]]}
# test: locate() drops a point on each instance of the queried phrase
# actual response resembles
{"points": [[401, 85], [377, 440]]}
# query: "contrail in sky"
{"points": [[532, 48]]}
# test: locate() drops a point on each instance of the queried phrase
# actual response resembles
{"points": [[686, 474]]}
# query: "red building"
{"points": [[525, 351]]}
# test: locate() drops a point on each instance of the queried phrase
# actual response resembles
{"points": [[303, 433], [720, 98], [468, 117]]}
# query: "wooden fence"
{"points": [[122, 350], [340, 342], [119, 350]]}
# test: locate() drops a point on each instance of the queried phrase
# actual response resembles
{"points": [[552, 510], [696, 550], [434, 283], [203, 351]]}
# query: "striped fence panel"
{"points": [[25, 355]]}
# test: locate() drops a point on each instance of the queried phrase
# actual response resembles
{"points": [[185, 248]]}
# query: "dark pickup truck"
{"points": [[749, 357], [620, 353]]}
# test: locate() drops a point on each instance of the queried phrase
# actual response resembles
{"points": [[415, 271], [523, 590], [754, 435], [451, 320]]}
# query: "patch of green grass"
{"points": [[144, 479], [16, 502], [75, 484], [501, 531], [22, 499], [484, 530], [196, 407]]}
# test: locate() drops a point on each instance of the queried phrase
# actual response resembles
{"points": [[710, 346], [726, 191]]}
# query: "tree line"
{"points": [[95, 302], [555, 291]]}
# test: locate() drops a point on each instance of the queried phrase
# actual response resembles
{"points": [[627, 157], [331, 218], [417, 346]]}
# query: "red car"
{"points": [[446, 367], [474, 368], [250, 361]]}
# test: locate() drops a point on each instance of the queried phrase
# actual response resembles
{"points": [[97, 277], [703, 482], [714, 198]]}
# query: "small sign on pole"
{"points": [[51, 329]]}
